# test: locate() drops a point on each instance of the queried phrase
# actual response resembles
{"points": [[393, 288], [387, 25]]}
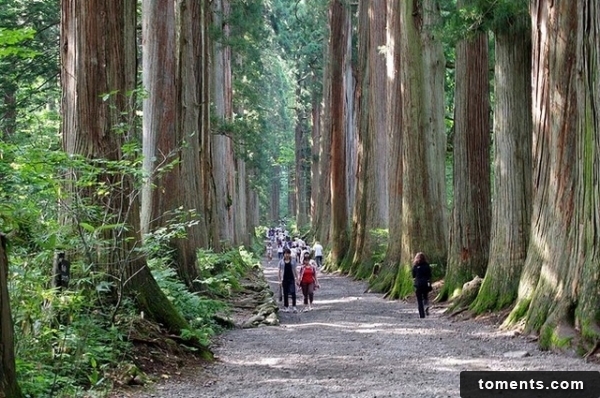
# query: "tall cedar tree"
{"points": [[370, 210], [559, 291], [511, 208], [422, 68], [192, 154], [223, 167], [338, 53], [98, 45], [469, 238], [384, 276]]}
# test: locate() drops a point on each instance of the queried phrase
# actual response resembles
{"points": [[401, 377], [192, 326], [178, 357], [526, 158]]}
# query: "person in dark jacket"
{"points": [[288, 276], [421, 273]]}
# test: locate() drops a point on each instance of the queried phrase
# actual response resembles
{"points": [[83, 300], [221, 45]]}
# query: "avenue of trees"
{"points": [[150, 140], [524, 168]]}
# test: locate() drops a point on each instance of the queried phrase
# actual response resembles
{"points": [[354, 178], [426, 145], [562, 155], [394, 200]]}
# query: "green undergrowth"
{"points": [[76, 343]]}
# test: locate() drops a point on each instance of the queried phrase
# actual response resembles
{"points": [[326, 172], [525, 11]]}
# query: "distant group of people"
{"points": [[279, 240], [299, 264]]}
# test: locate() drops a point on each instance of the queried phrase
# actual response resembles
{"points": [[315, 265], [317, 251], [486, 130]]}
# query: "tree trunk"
{"points": [[511, 208], [241, 234], [322, 218], [383, 278], [291, 191], [424, 141], [189, 83], [338, 53], [302, 181], [556, 295], [160, 144], [352, 94], [222, 147], [314, 157], [585, 276], [371, 205], [8, 377], [99, 57], [275, 194], [207, 189], [470, 228], [8, 121], [252, 212]]}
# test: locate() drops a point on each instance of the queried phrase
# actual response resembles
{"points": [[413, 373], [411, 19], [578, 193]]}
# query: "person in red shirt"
{"points": [[308, 281]]}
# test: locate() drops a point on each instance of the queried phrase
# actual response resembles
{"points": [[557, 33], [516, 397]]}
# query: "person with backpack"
{"points": [[421, 273], [308, 281], [288, 275]]}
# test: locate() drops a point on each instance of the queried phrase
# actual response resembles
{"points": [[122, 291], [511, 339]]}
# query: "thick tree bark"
{"points": [[556, 295], [586, 274], [207, 189], [321, 223], [371, 205], [9, 387], [351, 98], [241, 235], [338, 53], [160, 194], [221, 146], [542, 288], [424, 141], [471, 216], [511, 208], [189, 84], [384, 277], [99, 57]]}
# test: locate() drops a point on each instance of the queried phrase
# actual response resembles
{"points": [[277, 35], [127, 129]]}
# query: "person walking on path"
{"points": [[308, 281], [288, 275], [318, 250], [269, 251], [421, 273]]}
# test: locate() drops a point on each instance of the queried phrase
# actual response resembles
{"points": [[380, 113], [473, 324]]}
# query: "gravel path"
{"points": [[356, 344]]}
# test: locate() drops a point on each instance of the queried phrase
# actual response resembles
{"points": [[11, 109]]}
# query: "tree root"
{"points": [[458, 311], [593, 350]]}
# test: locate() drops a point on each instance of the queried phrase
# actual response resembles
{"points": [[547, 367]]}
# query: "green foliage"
{"points": [[10, 39], [29, 61], [197, 310], [482, 15], [380, 238], [220, 274], [65, 341]]}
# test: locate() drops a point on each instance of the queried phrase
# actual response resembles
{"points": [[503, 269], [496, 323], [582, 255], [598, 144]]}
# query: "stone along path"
{"points": [[356, 344]]}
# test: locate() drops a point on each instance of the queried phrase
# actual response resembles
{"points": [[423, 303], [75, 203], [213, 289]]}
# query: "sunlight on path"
{"points": [[355, 344]]}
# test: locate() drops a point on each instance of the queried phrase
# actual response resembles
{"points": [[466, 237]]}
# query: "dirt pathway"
{"points": [[355, 344]]}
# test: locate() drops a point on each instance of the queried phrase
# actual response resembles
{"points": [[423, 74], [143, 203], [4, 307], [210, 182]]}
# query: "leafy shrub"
{"points": [[197, 310]]}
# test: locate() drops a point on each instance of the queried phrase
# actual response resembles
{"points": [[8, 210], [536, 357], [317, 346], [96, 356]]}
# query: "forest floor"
{"points": [[356, 344]]}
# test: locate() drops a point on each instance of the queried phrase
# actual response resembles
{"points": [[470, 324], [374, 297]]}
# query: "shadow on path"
{"points": [[356, 344]]}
